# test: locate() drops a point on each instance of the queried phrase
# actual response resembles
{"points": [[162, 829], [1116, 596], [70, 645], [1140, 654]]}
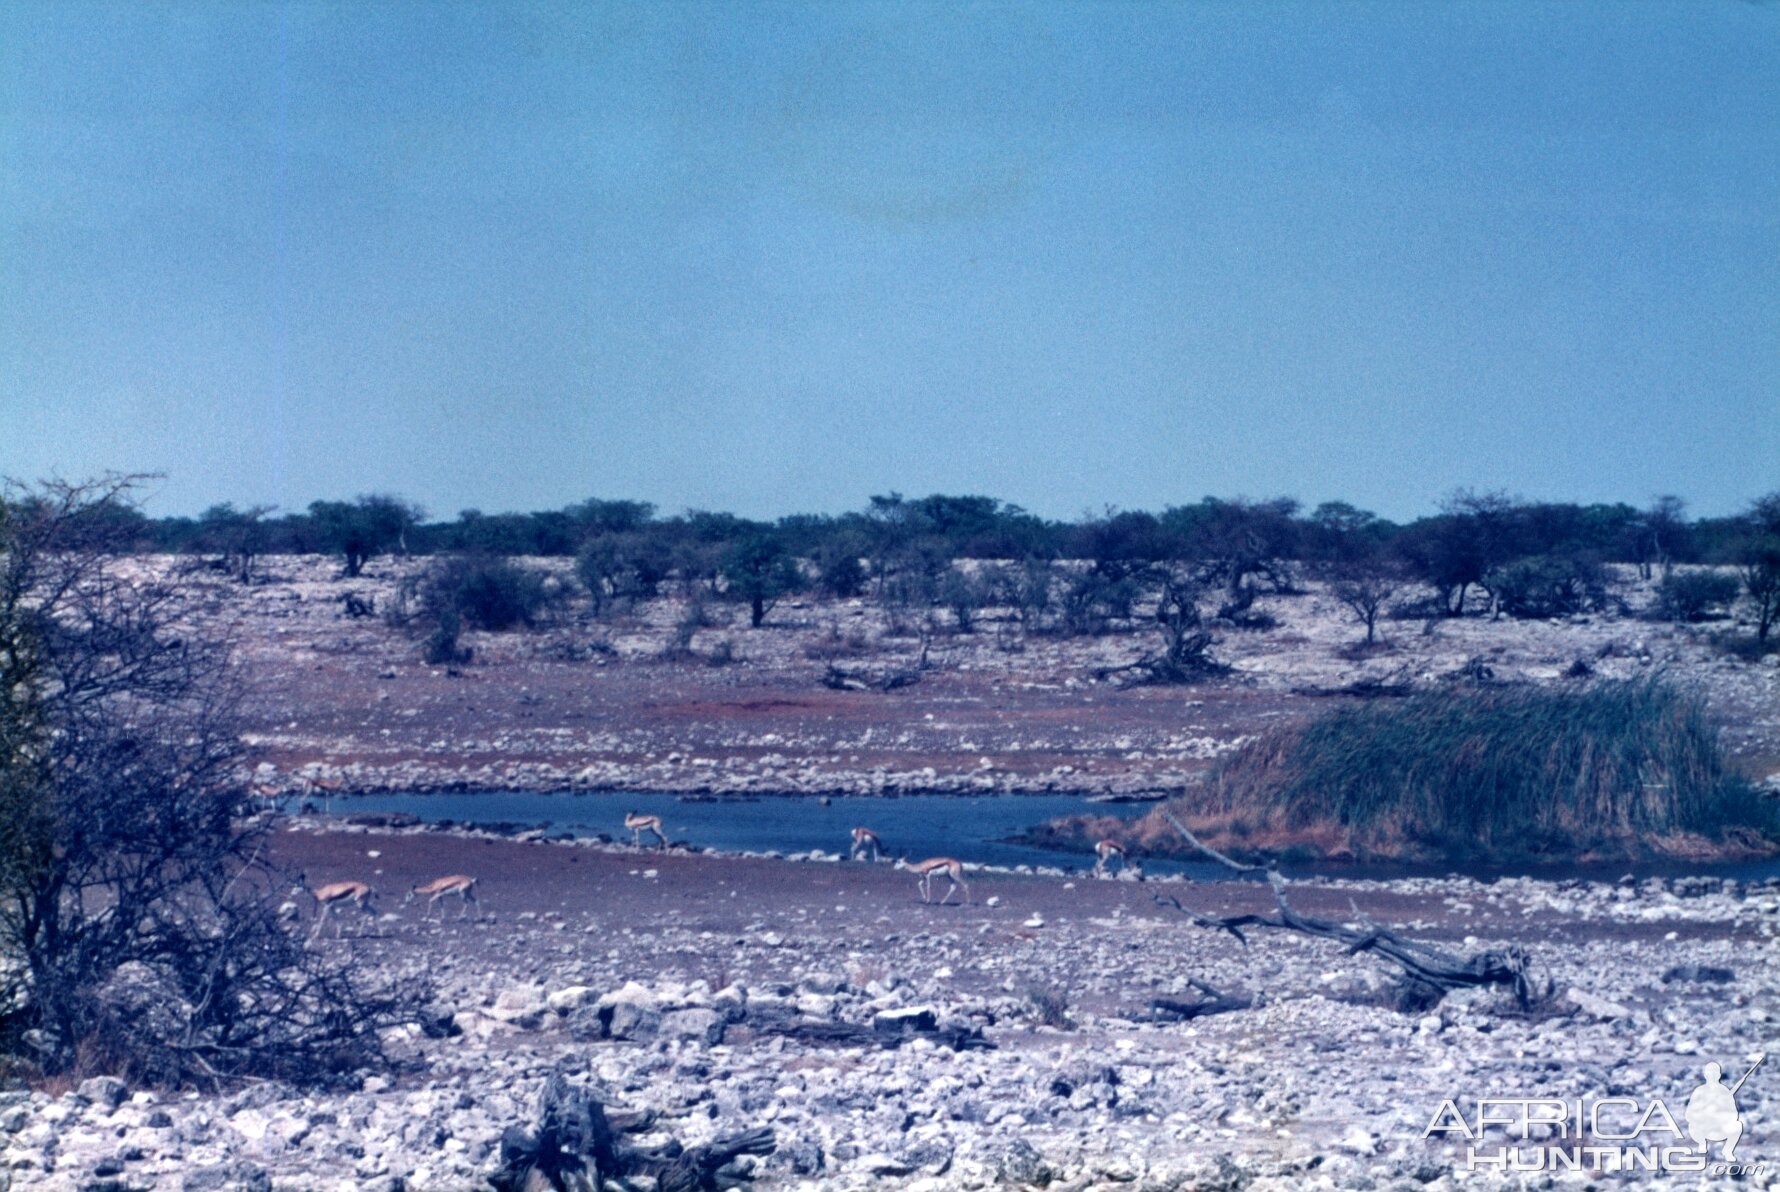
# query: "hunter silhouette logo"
{"points": [[1712, 1111], [1604, 1134]]}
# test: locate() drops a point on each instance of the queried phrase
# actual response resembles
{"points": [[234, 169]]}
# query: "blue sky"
{"points": [[777, 257]]}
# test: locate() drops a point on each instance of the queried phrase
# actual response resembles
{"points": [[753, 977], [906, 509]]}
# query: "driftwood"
{"points": [[1393, 686], [1214, 1002], [837, 679], [575, 1148], [1426, 973], [822, 1032]]}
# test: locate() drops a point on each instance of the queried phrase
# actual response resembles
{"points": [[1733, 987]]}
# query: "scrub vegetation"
{"points": [[1615, 769]]}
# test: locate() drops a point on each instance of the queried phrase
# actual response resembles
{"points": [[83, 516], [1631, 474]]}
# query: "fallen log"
{"points": [[823, 1032], [575, 1148], [1426, 973], [837, 679], [1214, 1002]]}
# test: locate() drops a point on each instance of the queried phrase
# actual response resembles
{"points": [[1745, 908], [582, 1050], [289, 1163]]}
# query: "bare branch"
{"points": [[1428, 973]]}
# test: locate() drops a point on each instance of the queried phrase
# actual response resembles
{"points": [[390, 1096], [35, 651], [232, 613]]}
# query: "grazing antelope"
{"points": [[865, 840], [1104, 852], [334, 894], [329, 787], [638, 824], [930, 868], [464, 888]]}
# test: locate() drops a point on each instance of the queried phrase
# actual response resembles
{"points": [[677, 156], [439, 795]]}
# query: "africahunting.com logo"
{"points": [[1604, 1134]]}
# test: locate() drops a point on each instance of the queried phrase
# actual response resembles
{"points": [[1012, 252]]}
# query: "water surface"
{"points": [[972, 828]]}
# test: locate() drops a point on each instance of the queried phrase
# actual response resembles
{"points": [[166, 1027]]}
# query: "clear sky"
{"points": [[769, 258]]}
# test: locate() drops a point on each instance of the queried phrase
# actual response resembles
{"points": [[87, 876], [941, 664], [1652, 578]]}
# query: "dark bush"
{"points": [[1050, 1006], [1549, 586], [965, 596], [441, 646], [1694, 595], [1495, 773], [138, 916], [621, 569], [490, 594], [839, 572], [1090, 603]]}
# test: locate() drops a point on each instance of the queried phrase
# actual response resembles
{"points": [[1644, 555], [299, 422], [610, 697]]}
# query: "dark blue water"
{"points": [[970, 827]]}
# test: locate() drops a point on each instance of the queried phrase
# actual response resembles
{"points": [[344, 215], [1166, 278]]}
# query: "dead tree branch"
{"points": [[1214, 1002], [1427, 973], [575, 1148], [1185, 655]]}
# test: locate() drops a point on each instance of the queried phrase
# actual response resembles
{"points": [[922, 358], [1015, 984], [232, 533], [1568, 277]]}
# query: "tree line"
{"points": [[1478, 549], [959, 527]]}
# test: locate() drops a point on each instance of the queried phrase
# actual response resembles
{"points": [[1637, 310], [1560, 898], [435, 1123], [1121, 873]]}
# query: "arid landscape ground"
{"points": [[583, 703], [1013, 1042]]}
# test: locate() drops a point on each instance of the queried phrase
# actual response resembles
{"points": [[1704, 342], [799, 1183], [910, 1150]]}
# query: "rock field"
{"points": [[1014, 1042], [891, 1044]]}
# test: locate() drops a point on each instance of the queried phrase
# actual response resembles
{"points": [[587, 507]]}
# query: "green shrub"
{"points": [[621, 569], [1694, 595], [486, 593], [1499, 773], [441, 646], [1549, 586]]}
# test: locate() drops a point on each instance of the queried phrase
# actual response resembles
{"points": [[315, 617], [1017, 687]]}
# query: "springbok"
{"points": [[865, 841], [331, 896], [1104, 852], [638, 824], [329, 787], [464, 888], [932, 867]]}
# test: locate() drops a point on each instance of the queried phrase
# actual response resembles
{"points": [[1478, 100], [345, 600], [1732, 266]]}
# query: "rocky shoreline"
{"points": [[1014, 1042], [718, 780]]}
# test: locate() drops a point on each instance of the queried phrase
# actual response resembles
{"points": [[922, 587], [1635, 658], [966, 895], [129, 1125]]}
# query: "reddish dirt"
{"points": [[732, 896]]}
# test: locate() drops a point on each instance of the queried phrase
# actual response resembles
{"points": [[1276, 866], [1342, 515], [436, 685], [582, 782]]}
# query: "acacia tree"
{"points": [[1472, 537], [1660, 534], [1364, 587], [136, 906], [1232, 541], [1761, 562], [759, 570], [362, 529], [238, 535]]}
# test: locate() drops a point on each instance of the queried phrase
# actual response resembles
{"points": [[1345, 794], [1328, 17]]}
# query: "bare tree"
{"points": [[136, 904], [1365, 588], [1662, 529], [1185, 656]]}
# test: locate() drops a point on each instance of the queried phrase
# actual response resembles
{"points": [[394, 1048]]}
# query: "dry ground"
{"points": [[581, 702]]}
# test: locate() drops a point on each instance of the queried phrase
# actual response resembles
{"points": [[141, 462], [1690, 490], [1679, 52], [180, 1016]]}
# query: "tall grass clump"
{"points": [[1615, 769]]}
